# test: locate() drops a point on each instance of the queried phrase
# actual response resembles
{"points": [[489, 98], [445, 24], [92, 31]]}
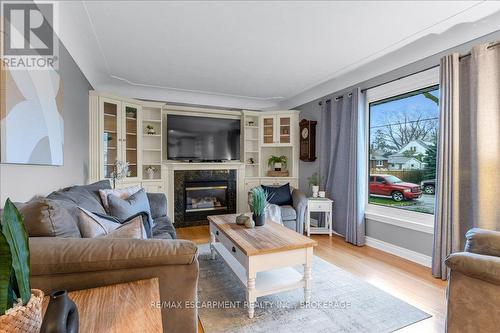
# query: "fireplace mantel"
{"points": [[171, 166]]}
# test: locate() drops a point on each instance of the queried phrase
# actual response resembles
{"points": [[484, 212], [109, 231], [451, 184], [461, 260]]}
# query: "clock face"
{"points": [[305, 133]]}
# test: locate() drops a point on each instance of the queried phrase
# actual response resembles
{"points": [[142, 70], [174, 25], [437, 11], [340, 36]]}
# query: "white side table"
{"points": [[322, 205]]}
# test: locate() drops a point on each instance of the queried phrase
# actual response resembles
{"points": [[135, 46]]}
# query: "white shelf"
{"points": [[151, 120], [152, 135], [152, 149]]}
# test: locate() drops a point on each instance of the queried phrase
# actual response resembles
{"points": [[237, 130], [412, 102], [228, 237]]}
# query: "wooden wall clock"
{"points": [[307, 140]]}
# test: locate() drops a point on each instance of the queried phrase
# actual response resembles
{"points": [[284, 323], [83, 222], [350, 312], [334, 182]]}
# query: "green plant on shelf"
{"points": [[277, 162]]}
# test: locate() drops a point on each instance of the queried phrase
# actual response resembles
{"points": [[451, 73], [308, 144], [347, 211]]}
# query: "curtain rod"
{"points": [[492, 45]]}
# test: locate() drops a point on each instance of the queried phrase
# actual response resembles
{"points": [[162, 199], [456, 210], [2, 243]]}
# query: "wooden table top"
{"points": [[269, 238], [124, 307]]}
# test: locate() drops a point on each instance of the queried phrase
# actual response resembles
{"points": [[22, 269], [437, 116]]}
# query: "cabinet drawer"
{"points": [[319, 206], [152, 187], [229, 245]]}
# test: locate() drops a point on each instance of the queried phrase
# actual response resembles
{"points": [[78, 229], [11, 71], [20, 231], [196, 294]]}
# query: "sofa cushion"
{"points": [[123, 209], [288, 213], [49, 218], [91, 225], [86, 196], [164, 228], [158, 204], [133, 229], [123, 193], [279, 195]]}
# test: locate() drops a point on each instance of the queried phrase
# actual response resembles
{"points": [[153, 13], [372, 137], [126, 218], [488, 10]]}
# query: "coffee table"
{"points": [[263, 258]]}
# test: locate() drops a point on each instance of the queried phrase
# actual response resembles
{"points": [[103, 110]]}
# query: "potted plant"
{"points": [[20, 306], [314, 181], [277, 162], [259, 204]]}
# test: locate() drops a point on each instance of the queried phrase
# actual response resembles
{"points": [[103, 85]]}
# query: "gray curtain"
{"points": [[468, 170], [343, 164]]}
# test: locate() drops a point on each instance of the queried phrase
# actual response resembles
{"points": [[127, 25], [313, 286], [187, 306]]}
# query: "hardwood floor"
{"points": [[401, 278]]}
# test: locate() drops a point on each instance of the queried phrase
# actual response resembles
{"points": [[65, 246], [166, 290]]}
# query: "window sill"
{"points": [[404, 219]]}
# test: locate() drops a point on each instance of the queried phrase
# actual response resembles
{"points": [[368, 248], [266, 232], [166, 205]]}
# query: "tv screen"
{"points": [[202, 138]]}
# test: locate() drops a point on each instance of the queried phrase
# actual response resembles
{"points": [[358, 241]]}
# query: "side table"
{"points": [[322, 205]]}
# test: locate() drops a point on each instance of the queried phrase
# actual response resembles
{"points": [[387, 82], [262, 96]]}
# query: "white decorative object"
{"points": [[120, 171], [321, 194], [151, 172], [315, 190], [323, 205]]}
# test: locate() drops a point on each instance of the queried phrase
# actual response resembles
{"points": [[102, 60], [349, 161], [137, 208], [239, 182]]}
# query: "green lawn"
{"points": [[390, 202]]}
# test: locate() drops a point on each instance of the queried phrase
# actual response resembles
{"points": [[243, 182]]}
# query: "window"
{"points": [[380, 163], [403, 127]]}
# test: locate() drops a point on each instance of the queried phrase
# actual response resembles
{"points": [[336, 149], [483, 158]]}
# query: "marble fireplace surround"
{"points": [[204, 168]]}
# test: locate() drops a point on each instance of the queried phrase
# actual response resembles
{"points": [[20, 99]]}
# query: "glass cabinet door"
{"points": [[131, 113], [284, 129], [268, 130], [111, 144]]}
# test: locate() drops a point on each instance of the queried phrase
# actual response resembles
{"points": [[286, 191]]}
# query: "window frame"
{"points": [[403, 218]]}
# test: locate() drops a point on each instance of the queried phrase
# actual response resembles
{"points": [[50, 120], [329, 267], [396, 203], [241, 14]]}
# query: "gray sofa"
{"points": [[61, 259], [293, 216]]}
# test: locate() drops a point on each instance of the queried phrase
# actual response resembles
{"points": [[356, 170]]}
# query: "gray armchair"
{"points": [[293, 217], [474, 284]]}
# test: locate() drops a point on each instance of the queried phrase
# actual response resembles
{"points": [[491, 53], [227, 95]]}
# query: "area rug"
{"points": [[340, 302]]}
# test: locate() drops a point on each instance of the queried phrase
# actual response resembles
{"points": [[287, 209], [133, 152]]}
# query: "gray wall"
{"points": [[22, 182], [410, 239]]}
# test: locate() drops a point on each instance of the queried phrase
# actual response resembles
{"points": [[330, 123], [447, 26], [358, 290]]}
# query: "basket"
{"points": [[284, 173], [24, 318]]}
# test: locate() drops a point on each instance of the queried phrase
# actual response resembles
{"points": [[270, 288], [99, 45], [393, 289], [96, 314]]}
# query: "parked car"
{"points": [[428, 186], [389, 185]]}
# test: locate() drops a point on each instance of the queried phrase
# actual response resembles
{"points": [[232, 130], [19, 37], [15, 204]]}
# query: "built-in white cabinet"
{"points": [[119, 136], [277, 129], [125, 130]]}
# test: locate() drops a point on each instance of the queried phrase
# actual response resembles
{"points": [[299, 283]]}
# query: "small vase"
{"points": [[61, 315], [259, 220], [315, 190]]}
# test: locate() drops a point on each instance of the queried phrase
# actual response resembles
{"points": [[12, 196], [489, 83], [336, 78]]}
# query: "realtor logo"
{"points": [[30, 41]]}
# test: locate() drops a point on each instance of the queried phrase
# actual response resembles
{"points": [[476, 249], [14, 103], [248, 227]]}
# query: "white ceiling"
{"points": [[257, 55]]}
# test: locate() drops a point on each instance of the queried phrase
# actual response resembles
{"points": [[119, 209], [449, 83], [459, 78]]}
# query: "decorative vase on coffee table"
{"points": [[61, 315]]}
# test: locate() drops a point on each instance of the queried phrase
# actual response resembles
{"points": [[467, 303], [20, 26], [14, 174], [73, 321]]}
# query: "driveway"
{"points": [[424, 205]]}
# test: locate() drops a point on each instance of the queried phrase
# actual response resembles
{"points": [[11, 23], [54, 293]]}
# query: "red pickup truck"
{"points": [[389, 185]]}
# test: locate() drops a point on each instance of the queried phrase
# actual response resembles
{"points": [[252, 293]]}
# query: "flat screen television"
{"points": [[204, 139]]}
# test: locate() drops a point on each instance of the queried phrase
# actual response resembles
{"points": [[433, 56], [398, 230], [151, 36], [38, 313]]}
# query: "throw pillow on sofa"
{"points": [[137, 203], [132, 229], [280, 195], [49, 218], [92, 225], [123, 193]]}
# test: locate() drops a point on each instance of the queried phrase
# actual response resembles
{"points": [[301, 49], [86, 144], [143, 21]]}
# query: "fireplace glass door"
{"points": [[206, 196]]}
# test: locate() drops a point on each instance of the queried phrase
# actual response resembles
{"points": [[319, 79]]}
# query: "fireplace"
{"points": [[206, 196], [200, 193]]}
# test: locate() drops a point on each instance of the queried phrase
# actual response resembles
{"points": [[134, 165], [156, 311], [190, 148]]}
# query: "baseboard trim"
{"points": [[399, 251]]}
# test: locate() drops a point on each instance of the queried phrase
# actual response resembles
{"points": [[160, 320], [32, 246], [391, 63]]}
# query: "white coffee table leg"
{"points": [[212, 242], [251, 299], [308, 276]]}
